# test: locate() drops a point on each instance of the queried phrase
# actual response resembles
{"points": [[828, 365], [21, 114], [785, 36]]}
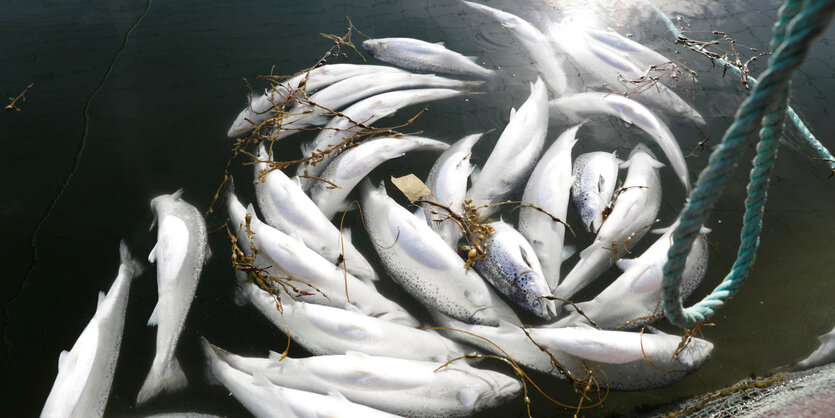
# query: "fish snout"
{"points": [[531, 287]]}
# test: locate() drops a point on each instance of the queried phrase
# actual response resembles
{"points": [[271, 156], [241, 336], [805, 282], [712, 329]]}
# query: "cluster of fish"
{"points": [[372, 356]]}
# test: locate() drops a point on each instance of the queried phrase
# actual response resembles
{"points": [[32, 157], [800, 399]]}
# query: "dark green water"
{"points": [[158, 123]]}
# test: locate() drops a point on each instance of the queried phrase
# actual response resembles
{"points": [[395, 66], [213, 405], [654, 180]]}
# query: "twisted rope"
{"points": [[795, 5], [798, 25]]}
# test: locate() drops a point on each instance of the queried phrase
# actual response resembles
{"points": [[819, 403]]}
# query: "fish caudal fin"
{"points": [[168, 377]]}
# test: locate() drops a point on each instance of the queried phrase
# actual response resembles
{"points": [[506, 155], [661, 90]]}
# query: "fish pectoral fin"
{"points": [[154, 319], [64, 361], [336, 395], [441, 43], [568, 251]]}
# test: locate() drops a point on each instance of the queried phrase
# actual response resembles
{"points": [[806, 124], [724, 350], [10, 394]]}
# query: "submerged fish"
{"points": [[287, 208], [522, 138], [323, 330], [412, 388], [356, 118], [264, 399], [636, 293], [616, 70], [419, 260], [180, 253], [545, 59], [595, 176], [626, 360], [318, 280], [548, 189], [85, 373], [260, 109], [415, 54], [635, 209], [353, 165], [511, 265], [824, 354], [632, 112], [448, 182]]}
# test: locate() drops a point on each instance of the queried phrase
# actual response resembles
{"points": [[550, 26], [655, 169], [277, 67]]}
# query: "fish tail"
{"points": [[133, 267], [168, 377]]}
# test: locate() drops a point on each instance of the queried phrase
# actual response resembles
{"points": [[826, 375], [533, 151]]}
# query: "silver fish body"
{"points": [[420, 261], [85, 373], [180, 253], [347, 170], [523, 138], [632, 112], [260, 109], [548, 189], [448, 182], [511, 265], [413, 388], [414, 54], [354, 120], [287, 208], [545, 60], [595, 176], [634, 212]]}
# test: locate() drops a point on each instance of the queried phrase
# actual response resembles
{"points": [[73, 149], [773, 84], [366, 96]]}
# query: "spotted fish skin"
{"points": [[511, 265]]}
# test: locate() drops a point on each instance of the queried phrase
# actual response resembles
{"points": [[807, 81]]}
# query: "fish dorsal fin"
{"points": [[63, 359], [624, 164], [467, 396], [100, 300], [705, 230], [154, 319], [259, 379], [512, 112], [441, 44], [178, 194], [472, 58]]}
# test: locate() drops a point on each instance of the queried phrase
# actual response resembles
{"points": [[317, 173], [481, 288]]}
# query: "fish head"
{"points": [[530, 293], [590, 211], [374, 46]]}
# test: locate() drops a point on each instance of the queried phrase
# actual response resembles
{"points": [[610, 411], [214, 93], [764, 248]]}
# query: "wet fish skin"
{"points": [[420, 261], [412, 388], [287, 208], [523, 138], [631, 112], [180, 253], [85, 373], [264, 399], [351, 166], [547, 62], [351, 90], [325, 283], [824, 354], [619, 354], [634, 211], [448, 182], [548, 188], [511, 265], [636, 292], [612, 67], [415, 54], [260, 109], [595, 176], [364, 112], [326, 330]]}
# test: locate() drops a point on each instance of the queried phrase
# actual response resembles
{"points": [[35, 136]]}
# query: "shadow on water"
{"points": [[159, 124]]}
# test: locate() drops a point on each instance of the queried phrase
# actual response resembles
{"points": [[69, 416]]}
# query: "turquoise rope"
{"points": [[816, 145], [799, 24]]}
